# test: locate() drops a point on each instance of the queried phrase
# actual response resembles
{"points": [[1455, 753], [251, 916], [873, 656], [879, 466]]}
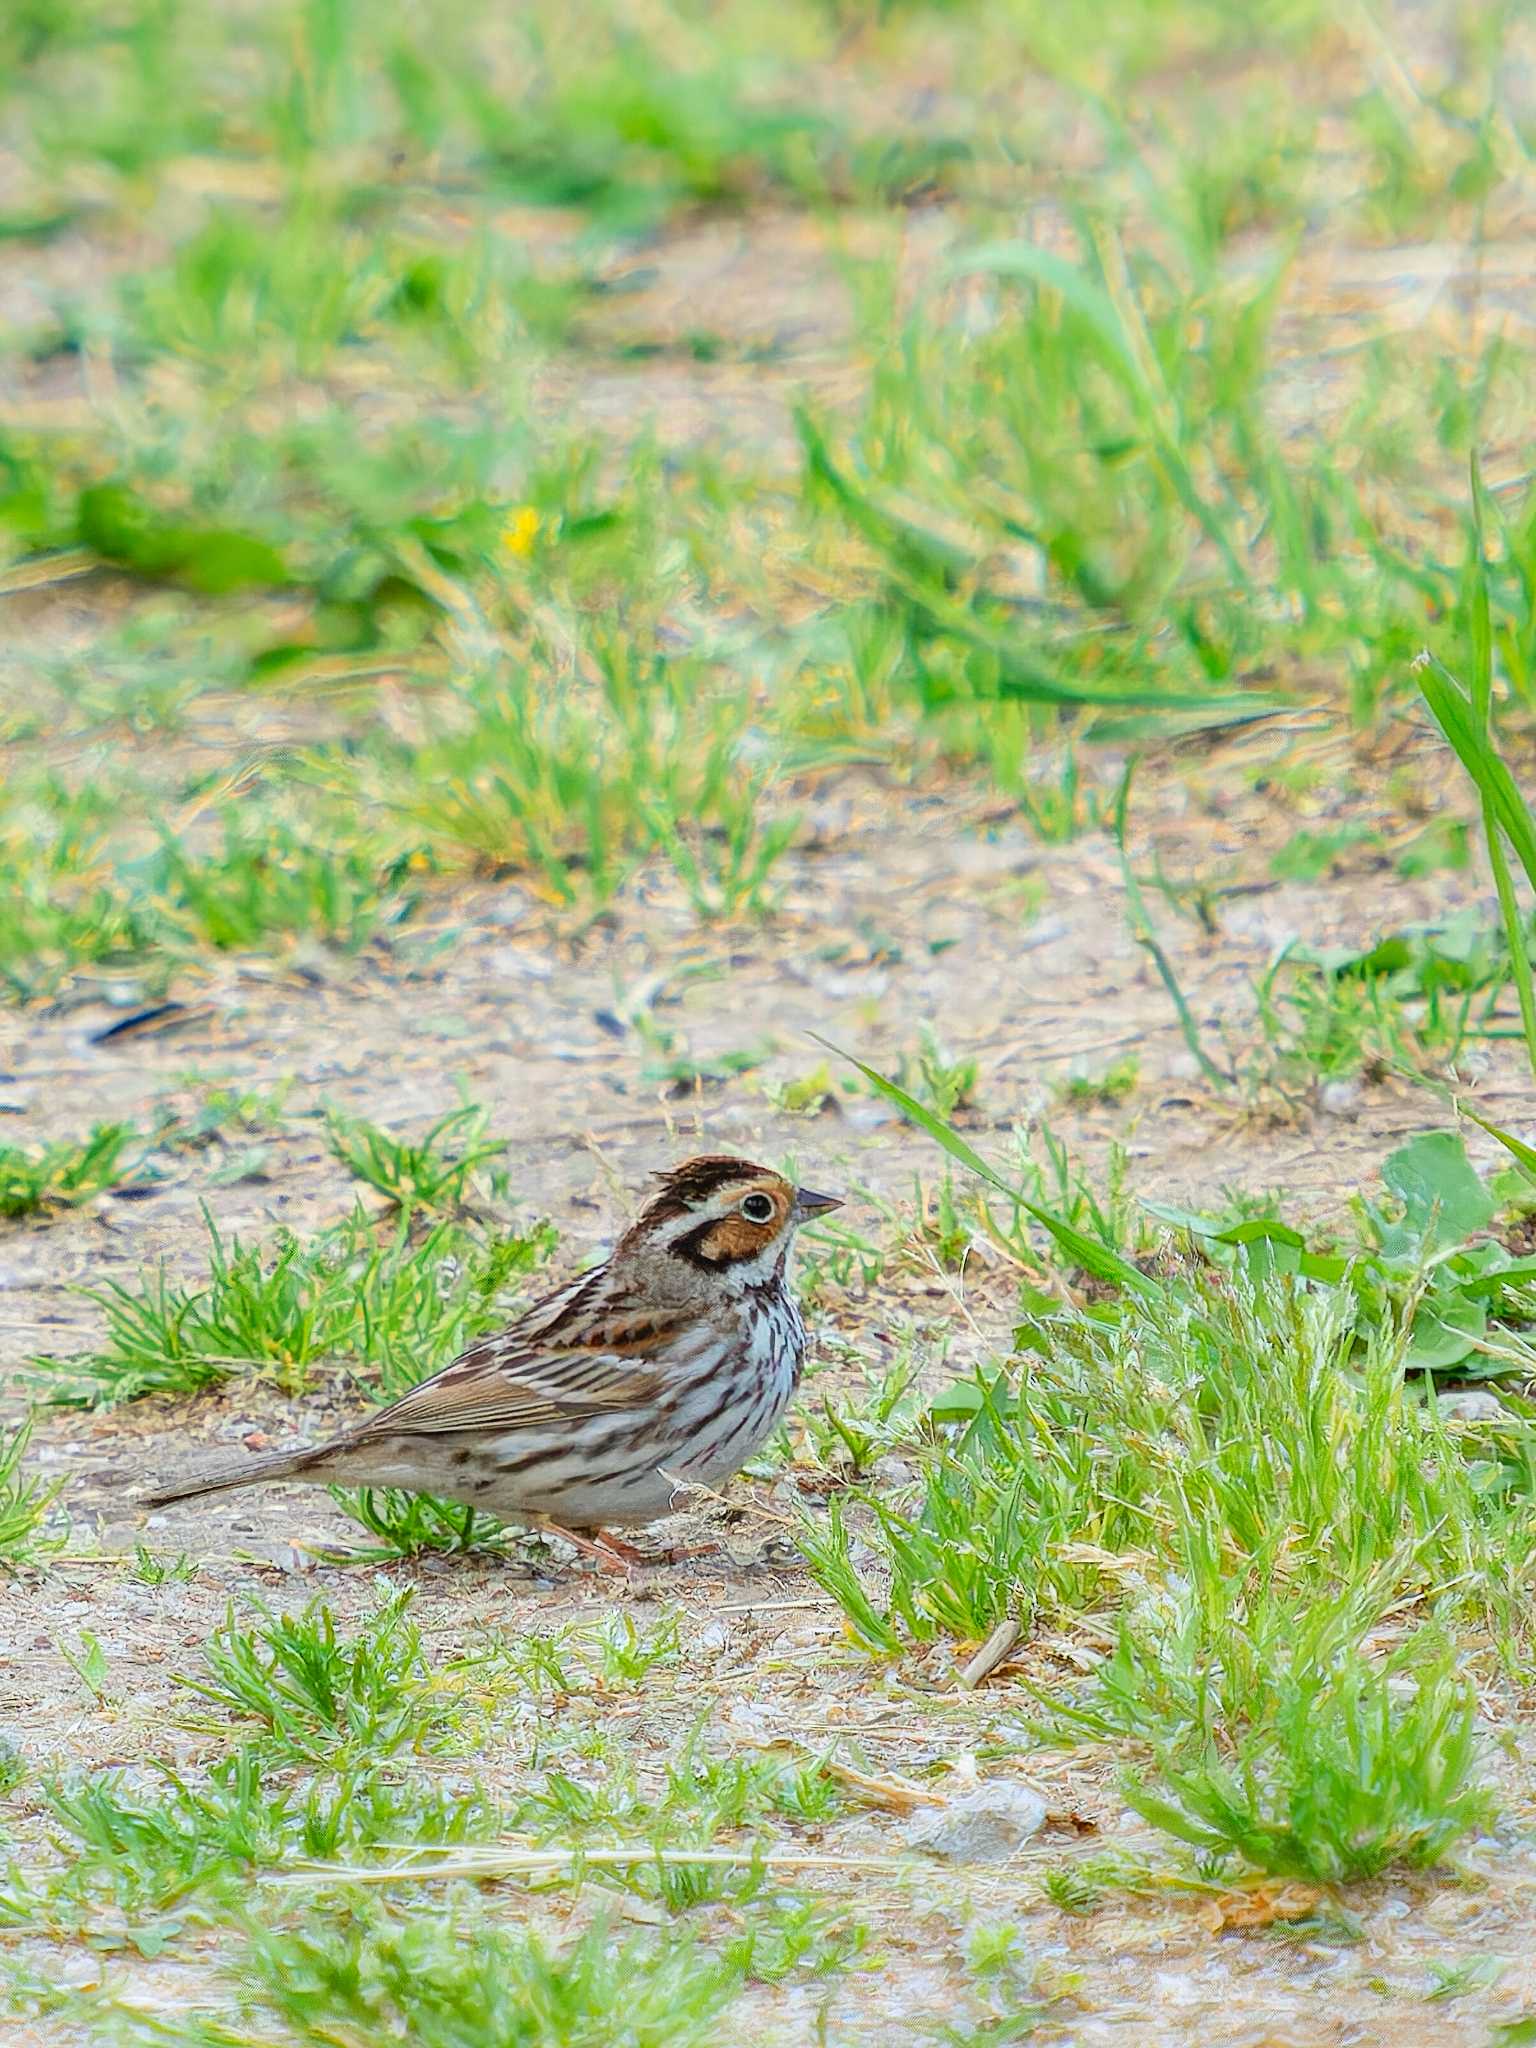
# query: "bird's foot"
{"points": [[605, 1549], [679, 1553], [611, 1553]]}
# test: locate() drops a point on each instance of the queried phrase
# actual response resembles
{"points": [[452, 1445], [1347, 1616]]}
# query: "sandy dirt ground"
{"points": [[904, 906], [909, 908]]}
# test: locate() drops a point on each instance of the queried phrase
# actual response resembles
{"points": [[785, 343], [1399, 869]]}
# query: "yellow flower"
{"points": [[521, 531]]}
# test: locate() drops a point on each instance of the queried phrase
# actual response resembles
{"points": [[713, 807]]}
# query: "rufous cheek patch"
{"points": [[735, 1238]]}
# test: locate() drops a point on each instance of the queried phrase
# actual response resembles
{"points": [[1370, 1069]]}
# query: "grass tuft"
{"points": [[1277, 1735], [412, 1524], [34, 1179], [456, 1976], [435, 1172], [291, 1305], [26, 1507], [322, 1698]]}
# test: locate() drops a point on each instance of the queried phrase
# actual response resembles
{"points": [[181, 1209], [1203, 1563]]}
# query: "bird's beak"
{"points": [[808, 1203]]}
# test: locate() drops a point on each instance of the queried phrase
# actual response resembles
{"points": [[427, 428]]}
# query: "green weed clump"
{"points": [[1235, 1457], [139, 1861], [1268, 1396], [1411, 1002], [87, 894], [344, 1774], [411, 1524], [1244, 1406], [434, 1172], [1276, 1736], [25, 1504], [287, 1307], [639, 753], [321, 1698], [37, 1178], [444, 1979]]}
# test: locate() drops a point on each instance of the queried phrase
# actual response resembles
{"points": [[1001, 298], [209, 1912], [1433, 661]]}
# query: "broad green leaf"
{"points": [[1261, 1229], [122, 529], [1439, 1188], [1511, 1273], [1442, 1331], [959, 1401], [1267, 1244], [1331, 1267]]}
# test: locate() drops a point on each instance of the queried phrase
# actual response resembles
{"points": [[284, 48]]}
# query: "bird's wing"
{"points": [[553, 1365]]}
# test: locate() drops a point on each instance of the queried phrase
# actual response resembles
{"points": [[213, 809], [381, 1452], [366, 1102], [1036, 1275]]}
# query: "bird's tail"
{"points": [[249, 1472]]}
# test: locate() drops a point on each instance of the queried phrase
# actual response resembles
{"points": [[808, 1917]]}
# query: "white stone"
{"points": [[984, 1826]]}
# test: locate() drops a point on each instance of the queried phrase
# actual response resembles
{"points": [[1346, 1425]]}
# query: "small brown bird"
{"points": [[664, 1368]]}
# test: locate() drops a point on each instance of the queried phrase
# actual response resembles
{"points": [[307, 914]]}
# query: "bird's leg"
{"points": [[681, 1552], [613, 1552], [606, 1549]]}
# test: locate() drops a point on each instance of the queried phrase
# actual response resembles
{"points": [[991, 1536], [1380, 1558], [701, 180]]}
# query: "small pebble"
{"points": [[1471, 1404], [1339, 1098], [984, 1826]]}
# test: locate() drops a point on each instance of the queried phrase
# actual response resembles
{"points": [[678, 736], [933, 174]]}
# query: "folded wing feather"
{"points": [[496, 1386]]}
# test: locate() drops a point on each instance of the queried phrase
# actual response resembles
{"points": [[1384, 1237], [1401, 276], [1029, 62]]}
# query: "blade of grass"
{"points": [[1481, 619], [1453, 714], [1482, 708], [1145, 936], [1117, 327], [1523, 1154], [1087, 1252], [1466, 724]]}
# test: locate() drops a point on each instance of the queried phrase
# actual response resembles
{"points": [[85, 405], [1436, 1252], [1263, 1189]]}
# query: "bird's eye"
{"points": [[757, 1209]]}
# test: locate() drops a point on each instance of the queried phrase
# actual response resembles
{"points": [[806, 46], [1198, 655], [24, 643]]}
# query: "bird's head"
{"points": [[725, 1216]]}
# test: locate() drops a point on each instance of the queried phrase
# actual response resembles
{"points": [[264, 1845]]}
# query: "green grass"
{"points": [[392, 1307], [445, 1980], [39, 1178], [342, 1763], [92, 890], [388, 1308], [614, 1655], [26, 1505], [640, 752], [1412, 1002], [321, 1699], [1265, 1387], [139, 1867], [1275, 1740], [413, 394], [411, 1524], [1066, 504], [334, 1726], [1069, 500], [1236, 1461], [1466, 720], [435, 1172]]}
